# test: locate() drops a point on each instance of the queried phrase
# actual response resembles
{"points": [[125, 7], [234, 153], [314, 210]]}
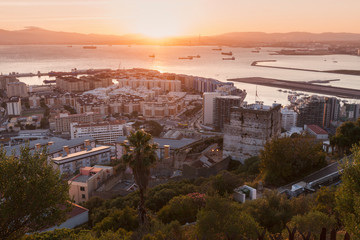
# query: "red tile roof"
{"points": [[316, 129]]}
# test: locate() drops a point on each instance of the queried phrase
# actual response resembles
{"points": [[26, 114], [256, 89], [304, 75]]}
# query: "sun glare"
{"points": [[157, 27]]}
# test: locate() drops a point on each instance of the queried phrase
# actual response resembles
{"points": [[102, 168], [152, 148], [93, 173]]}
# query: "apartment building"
{"points": [[82, 84], [83, 185], [16, 89], [102, 132], [63, 120], [13, 106], [69, 163]]}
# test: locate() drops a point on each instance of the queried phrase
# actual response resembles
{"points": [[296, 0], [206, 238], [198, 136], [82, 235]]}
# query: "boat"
{"points": [[217, 49], [89, 47], [49, 81], [232, 58], [152, 55], [227, 53], [255, 51], [188, 57], [196, 56], [69, 46]]}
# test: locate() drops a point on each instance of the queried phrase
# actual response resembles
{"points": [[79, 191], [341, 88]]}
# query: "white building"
{"points": [[208, 106], [103, 132], [288, 118], [69, 163], [14, 106], [241, 194]]}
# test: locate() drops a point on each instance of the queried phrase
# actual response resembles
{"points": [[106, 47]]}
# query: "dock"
{"points": [[301, 86]]}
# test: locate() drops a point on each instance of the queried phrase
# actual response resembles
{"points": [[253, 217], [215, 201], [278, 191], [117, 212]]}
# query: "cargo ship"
{"points": [[232, 58], [188, 57], [227, 53], [217, 49], [89, 47]]}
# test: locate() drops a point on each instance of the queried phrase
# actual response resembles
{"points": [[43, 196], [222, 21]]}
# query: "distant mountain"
{"points": [[34, 35]]}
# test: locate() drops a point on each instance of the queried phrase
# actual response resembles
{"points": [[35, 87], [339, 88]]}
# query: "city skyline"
{"points": [[159, 18]]}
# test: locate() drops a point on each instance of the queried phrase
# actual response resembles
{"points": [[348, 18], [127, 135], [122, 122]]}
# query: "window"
{"points": [[82, 188], [82, 195]]}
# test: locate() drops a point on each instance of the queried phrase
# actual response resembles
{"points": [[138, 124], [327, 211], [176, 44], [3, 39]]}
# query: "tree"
{"points": [[313, 222], [223, 219], [182, 208], [141, 156], [286, 159], [348, 194], [33, 195], [346, 135]]}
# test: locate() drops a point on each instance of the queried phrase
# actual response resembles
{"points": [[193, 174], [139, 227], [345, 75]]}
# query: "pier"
{"points": [[301, 86]]}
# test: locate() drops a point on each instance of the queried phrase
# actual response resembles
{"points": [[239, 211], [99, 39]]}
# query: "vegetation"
{"points": [[141, 156], [204, 208], [346, 136], [348, 195], [151, 127], [284, 160], [31, 193]]}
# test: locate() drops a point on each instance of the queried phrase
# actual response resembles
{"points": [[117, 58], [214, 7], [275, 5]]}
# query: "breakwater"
{"points": [[340, 71], [301, 86]]}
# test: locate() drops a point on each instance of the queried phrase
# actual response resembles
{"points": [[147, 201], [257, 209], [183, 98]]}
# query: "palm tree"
{"points": [[140, 156]]}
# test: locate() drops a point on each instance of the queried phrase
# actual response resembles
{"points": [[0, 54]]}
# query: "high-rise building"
{"points": [[318, 110], [208, 107], [222, 107], [288, 118], [16, 89], [249, 128], [331, 111], [14, 106]]}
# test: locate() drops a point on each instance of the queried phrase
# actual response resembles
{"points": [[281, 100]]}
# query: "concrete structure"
{"points": [[249, 128], [288, 118], [68, 162], [87, 181], [243, 193], [331, 111], [222, 107], [63, 120], [164, 106], [317, 131], [103, 132], [76, 217], [13, 106], [16, 89], [208, 107], [5, 80]]}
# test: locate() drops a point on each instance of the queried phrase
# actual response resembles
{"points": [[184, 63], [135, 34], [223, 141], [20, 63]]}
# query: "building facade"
{"points": [[288, 118], [249, 129], [69, 163], [222, 107], [103, 132], [13, 106], [63, 120], [208, 107], [87, 181]]}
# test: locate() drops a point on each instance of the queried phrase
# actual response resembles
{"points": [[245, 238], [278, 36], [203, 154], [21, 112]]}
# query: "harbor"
{"points": [[301, 86]]}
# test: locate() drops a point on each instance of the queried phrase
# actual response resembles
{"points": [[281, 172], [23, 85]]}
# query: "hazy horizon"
{"points": [[161, 18]]}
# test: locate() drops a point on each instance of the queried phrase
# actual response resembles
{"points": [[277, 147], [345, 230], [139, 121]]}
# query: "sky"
{"points": [[163, 18]]}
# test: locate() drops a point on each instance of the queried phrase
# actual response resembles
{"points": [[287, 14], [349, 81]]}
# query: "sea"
{"points": [[45, 58]]}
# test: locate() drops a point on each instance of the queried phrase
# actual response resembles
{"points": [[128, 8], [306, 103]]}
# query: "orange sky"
{"points": [[159, 18]]}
